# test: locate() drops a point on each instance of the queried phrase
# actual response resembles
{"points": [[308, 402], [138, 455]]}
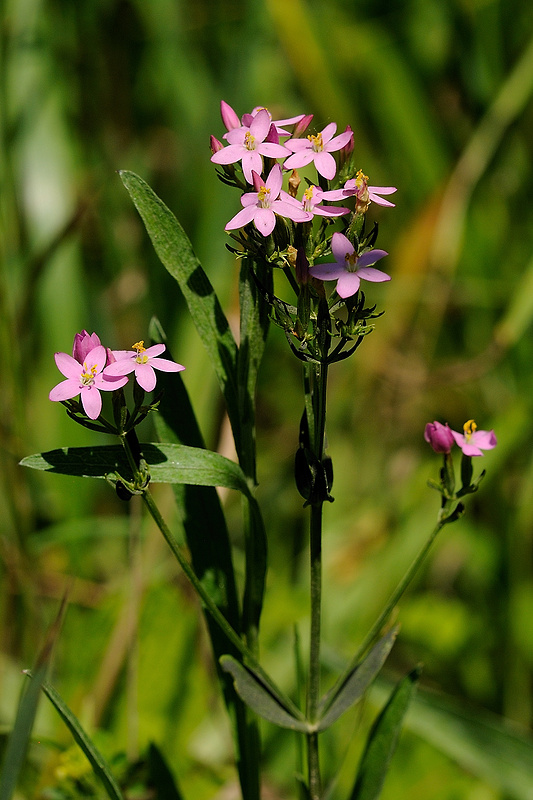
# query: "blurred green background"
{"points": [[438, 93]]}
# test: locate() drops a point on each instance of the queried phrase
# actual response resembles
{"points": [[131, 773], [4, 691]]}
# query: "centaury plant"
{"points": [[315, 233]]}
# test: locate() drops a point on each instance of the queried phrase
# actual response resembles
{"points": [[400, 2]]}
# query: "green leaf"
{"points": [[341, 697], [175, 251], [160, 778], [96, 759], [168, 463], [382, 741], [260, 699]]}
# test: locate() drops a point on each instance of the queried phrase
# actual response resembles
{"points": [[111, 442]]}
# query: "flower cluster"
{"points": [[472, 441], [257, 139], [93, 368]]}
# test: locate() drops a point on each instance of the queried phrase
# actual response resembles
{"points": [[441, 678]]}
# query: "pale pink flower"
{"points": [[439, 436], [261, 207], [318, 148], [142, 361], [85, 379], [247, 144], [313, 197], [366, 194], [231, 120], [472, 441], [349, 268]]}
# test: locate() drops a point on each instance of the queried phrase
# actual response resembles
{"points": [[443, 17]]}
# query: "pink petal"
{"points": [[165, 365], [486, 440], [272, 150], [228, 155], [122, 367], [301, 159], [260, 125], [327, 272], [296, 145], [348, 284], [68, 366], [91, 401], [265, 221], [330, 211], [341, 247], [249, 199], [242, 218], [274, 181], [97, 357], [325, 165], [339, 141], [65, 390], [145, 376], [155, 350], [370, 257], [109, 384], [382, 189], [285, 209], [251, 161], [328, 132], [373, 275]]}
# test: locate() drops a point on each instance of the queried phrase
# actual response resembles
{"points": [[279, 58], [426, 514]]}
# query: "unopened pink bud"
{"points": [[302, 126], [272, 135], [215, 144], [84, 342], [229, 117], [439, 436]]}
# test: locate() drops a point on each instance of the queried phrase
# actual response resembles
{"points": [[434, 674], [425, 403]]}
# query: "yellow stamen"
{"points": [[88, 374], [139, 346], [351, 261], [263, 196], [308, 194], [249, 141], [316, 141], [469, 428], [360, 178]]}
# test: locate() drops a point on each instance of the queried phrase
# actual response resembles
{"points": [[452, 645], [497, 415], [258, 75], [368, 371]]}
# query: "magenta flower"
{"points": [[472, 441], [262, 206], [318, 148], [366, 194], [247, 144], [85, 379], [312, 197], [439, 436], [349, 268], [142, 361]]}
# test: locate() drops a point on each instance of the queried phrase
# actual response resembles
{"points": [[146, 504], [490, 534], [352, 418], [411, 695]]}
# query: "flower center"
{"points": [[469, 428], [361, 180], [88, 374], [316, 142], [249, 141], [308, 198], [141, 349], [263, 197], [350, 260]]}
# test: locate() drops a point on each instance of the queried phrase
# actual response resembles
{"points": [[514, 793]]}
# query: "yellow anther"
{"points": [[139, 346], [249, 141], [308, 194], [88, 374], [360, 178], [316, 141], [351, 260], [469, 428], [263, 196]]}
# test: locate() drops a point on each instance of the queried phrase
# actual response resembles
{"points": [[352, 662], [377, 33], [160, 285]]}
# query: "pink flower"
{"points": [[472, 441], [349, 268], [262, 206], [311, 199], [318, 148], [142, 361], [366, 194], [85, 379], [231, 120], [439, 436], [247, 144]]}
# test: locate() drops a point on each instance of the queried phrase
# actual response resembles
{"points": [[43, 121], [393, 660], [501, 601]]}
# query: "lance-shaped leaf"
{"points": [[260, 699], [168, 463], [341, 697], [382, 741], [96, 759], [176, 254]]}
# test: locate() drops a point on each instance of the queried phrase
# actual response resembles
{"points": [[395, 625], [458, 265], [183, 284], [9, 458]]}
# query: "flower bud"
{"points": [[294, 183], [229, 117], [302, 126], [439, 437], [215, 145], [84, 342]]}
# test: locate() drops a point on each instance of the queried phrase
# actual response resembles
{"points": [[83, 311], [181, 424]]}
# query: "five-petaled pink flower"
{"points": [[439, 436], [318, 148], [472, 442], [247, 144], [349, 268], [366, 194], [142, 361], [231, 120], [313, 197], [262, 206], [85, 379]]}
